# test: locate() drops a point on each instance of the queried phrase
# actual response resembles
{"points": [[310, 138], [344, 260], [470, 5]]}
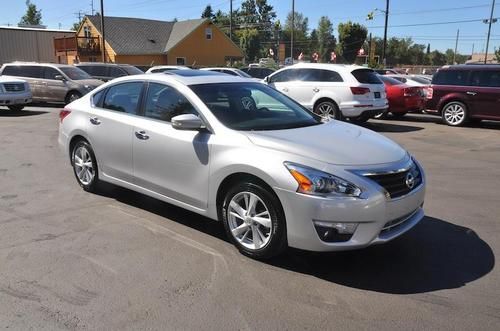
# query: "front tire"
{"points": [[16, 107], [455, 113], [85, 166], [254, 220]]}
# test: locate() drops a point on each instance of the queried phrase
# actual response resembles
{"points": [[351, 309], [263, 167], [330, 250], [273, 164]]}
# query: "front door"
{"points": [[111, 130], [167, 161], [54, 90]]}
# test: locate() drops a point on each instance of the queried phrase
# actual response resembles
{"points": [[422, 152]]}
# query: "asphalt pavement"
{"points": [[70, 260]]}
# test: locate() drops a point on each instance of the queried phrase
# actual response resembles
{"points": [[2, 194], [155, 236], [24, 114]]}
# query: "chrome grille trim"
{"points": [[14, 87]]}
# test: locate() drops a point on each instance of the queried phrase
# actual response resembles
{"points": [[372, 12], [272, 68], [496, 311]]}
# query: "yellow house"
{"points": [[196, 42]]}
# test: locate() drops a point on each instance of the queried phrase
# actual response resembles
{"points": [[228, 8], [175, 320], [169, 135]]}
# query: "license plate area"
{"points": [[377, 95]]}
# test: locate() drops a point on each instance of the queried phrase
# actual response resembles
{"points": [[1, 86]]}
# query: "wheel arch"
{"points": [[452, 98], [324, 98]]}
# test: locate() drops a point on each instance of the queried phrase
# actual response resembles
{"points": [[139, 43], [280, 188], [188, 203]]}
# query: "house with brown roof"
{"points": [[137, 41]]}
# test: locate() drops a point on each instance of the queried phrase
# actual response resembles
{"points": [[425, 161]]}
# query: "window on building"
{"points": [[208, 33], [181, 61]]}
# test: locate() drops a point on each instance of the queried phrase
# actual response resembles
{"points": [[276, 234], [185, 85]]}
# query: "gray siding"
{"points": [[28, 45]]}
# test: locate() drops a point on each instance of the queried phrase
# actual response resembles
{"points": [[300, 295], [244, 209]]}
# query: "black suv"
{"points": [[108, 71]]}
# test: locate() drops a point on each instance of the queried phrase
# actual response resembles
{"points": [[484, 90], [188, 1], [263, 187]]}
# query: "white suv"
{"points": [[333, 90]]}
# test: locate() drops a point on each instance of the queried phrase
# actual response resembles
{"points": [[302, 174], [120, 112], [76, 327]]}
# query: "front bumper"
{"points": [[373, 215], [11, 99]]}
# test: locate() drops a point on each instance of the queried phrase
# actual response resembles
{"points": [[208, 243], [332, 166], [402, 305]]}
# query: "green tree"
{"points": [[437, 58], [497, 54], [76, 26], [249, 42], [313, 42], [326, 40], [208, 12], [351, 37], [300, 34], [33, 16]]}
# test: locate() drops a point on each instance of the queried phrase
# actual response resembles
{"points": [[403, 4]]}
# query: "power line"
{"points": [[426, 24]]}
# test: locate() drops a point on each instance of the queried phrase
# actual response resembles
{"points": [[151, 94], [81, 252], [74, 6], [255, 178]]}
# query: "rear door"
{"points": [[453, 83], [53, 90], [314, 83], [111, 129], [485, 93], [170, 162]]}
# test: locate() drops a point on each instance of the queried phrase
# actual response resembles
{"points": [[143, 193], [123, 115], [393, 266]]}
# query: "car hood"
{"points": [[334, 142], [10, 79]]}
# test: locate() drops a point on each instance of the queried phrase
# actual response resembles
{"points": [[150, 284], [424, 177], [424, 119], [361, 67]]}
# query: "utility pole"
{"points": [[489, 32], [103, 50], [231, 19], [92, 7], [385, 32], [471, 54], [456, 46], [293, 28]]}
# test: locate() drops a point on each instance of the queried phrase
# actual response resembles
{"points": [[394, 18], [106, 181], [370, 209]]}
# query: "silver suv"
{"points": [[52, 82]]}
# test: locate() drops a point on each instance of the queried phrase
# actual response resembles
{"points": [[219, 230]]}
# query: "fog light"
{"points": [[335, 232]]}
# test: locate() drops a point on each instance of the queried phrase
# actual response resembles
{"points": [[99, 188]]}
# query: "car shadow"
{"points": [[381, 126], [20, 113], [435, 255], [424, 118], [163, 209]]}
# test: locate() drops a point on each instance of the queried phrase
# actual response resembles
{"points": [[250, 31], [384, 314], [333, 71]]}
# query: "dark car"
{"points": [[258, 72], [108, 71], [465, 93]]}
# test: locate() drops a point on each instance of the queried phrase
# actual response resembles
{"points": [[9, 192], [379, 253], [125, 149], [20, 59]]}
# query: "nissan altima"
{"points": [[240, 152]]}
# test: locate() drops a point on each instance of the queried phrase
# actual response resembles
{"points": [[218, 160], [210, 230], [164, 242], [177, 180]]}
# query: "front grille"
{"points": [[398, 184], [13, 87]]}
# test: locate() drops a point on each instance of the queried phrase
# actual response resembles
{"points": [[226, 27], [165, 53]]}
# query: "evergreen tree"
{"points": [[32, 16], [208, 12]]}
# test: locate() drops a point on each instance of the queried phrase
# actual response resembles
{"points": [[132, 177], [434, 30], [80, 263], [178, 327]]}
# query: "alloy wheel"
{"points": [[454, 114], [84, 167], [326, 111], [249, 220]]}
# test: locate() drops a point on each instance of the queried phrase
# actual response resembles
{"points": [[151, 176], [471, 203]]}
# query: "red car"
{"points": [[403, 98]]}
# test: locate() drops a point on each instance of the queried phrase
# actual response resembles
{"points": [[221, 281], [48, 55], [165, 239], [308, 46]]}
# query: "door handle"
{"points": [[141, 135], [315, 90], [471, 93], [285, 89], [95, 120]]}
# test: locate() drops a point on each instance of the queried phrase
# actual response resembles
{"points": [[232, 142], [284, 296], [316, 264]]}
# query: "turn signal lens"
{"points": [[305, 184], [63, 113]]}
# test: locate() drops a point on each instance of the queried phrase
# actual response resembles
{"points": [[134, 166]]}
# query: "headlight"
{"points": [[316, 182]]}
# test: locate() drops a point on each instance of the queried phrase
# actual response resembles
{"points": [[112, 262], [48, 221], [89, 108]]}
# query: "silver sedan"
{"points": [[242, 153]]}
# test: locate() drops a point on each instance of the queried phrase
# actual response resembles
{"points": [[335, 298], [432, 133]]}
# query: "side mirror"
{"points": [[59, 77], [187, 122], [266, 79]]}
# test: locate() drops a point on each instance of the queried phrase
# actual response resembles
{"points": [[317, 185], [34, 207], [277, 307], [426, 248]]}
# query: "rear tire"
{"points": [[254, 220], [328, 110], [72, 96], [455, 113], [85, 166], [16, 107]]}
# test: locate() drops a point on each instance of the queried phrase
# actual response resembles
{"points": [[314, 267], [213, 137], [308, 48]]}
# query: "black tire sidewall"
{"points": [[466, 117], [68, 97], [16, 107], [277, 243], [92, 186]]}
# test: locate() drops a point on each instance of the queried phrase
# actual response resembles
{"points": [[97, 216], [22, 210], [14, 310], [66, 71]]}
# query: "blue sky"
{"points": [[403, 12]]}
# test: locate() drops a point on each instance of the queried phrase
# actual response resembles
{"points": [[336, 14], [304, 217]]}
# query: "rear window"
{"points": [[366, 76], [421, 80], [451, 77], [132, 70], [390, 81]]}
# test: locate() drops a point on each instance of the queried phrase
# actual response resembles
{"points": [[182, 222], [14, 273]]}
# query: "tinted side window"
{"points": [[164, 102], [116, 72], [95, 70], [50, 73], [283, 76], [450, 77], [485, 78], [318, 75], [123, 97], [24, 71]]}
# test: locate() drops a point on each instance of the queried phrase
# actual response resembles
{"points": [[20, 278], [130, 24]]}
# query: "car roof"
{"points": [[471, 66], [328, 66], [188, 77], [57, 65], [103, 64]]}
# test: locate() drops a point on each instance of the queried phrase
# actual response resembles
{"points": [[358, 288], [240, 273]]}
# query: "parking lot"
{"points": [[121, 260]]}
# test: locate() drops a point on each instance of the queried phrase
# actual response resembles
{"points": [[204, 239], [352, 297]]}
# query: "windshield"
{"points": [[242, 73], [253, 106], [131, 70], [74, 73]]}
